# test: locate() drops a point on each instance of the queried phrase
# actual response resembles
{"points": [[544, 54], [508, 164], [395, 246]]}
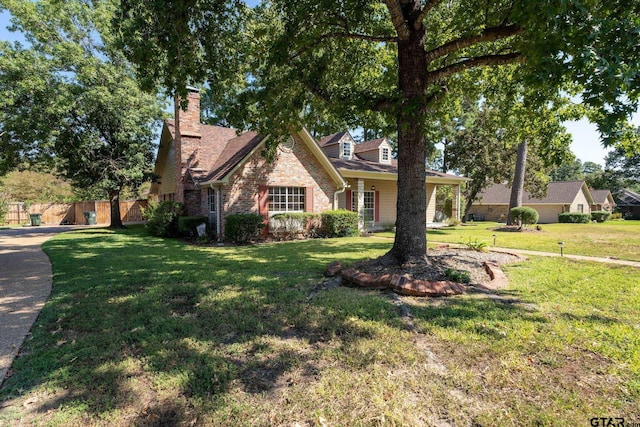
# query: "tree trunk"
{"points": [[517, 188], [114, 202], [411, 219]]}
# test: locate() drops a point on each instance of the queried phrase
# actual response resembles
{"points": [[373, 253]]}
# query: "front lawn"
{"points": [[148, 331], [618, 239]]}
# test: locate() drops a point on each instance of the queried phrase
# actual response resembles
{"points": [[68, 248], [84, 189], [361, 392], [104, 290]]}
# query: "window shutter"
{"points": [[263, 206], [347, 205], [308, 199], [376, 207]]}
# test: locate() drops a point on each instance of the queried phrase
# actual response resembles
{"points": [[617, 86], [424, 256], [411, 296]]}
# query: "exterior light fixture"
{"points": [[561, 244], [494, 239], [373, 188]]}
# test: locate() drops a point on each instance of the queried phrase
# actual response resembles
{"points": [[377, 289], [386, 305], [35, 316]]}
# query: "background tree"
{"points": [[31, 186], [622, 170], [399, 58], [90, 113], [570, 170]]}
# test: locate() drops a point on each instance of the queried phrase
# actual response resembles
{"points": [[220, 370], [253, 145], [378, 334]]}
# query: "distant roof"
{"points": [[374, 144], [627, 198], [559, 192], [600, 196], [332, 139]]}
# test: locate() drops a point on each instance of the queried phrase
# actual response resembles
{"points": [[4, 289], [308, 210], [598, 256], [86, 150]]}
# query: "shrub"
{"points": [[524, 215], [187, 225], [340, 223], [162, 218], [616, 215], [389, 226], [292, 225], [600, 216], [574, 217], [242, 228], [459, 276]]}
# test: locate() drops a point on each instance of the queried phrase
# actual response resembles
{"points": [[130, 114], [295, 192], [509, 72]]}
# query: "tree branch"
{"points": [[480, 61], [397, 18], [488, 35], [424, 12], [347, 35]]}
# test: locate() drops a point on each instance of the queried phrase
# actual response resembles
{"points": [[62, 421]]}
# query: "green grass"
{"points": [[618, 239], [147, 331]]}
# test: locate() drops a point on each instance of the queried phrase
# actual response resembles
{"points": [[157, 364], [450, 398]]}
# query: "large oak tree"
{"points": [[401, 59]]}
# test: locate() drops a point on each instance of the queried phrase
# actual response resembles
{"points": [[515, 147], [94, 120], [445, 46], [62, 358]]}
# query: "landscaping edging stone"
{"points": [[406, 285]]}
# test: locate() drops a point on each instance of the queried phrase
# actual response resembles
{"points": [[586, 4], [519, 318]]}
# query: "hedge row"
{"points": [[242, 228], [574, 218]]}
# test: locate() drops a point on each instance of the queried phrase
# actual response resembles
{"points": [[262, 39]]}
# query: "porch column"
{"points": [[360, 203], [455, 203]]}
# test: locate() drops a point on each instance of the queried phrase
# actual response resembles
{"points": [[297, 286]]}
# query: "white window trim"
{"points": [[388, 153], [347, 146], [287, 188]]}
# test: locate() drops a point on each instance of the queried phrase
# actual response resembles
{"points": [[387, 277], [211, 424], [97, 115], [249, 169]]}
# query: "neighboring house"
{"points": [[562, 196], [628, 204], [215, 172], [602, 200]]}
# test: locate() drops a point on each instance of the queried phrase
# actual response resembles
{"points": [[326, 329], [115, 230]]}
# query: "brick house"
{"points": [[215, 172], [562, 196]]}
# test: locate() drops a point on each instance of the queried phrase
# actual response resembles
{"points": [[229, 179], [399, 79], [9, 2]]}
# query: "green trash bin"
{"points": [[90, 218], [35, 219]]}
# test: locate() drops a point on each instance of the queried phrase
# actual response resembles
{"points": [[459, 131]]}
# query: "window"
{"points": [[286, 199], [369, 204], [385, 154], [581, 208], [211, 202], [346, 149]]}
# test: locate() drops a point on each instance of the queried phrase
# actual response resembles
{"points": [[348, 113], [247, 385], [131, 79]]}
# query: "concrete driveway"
{"points": [[25, 284]]}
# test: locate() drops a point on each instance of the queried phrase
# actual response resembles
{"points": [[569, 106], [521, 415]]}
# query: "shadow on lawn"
{"points": [[143, 325]]}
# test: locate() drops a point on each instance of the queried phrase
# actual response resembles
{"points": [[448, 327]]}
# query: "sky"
{"points": [[586, 139]]}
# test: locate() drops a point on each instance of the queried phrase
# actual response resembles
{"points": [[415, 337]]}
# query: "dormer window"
{"points": [[385, 154], [346, 150]]}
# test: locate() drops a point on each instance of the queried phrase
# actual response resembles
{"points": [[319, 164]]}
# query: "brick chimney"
{"points": [[187, 139]]}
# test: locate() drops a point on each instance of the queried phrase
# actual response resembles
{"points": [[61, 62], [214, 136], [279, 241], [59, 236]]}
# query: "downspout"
{"points": [[218, 212], [335, 195]]}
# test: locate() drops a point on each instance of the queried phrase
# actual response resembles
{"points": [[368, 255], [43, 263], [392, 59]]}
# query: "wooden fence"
{"points": [[73, 213]]}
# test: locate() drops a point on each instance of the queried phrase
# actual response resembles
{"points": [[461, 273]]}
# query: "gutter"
{"points": [[335, 195]]}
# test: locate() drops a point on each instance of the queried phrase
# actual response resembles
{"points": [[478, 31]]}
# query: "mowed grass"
{"points": [[617, 239], [147, 331]]}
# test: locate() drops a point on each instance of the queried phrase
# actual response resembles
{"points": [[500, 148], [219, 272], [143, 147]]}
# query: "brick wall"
{"points": [[298, 168]]}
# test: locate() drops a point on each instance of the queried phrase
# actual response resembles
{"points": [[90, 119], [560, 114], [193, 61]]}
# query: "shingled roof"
{"points": [[600, 196], [235, 150], [627, 198], [359, 165], [332, 139], [374, 144], [213, 140], [559, 192]]}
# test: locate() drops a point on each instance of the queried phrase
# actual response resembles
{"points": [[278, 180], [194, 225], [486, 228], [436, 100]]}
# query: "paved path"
{"points": [[570, 256], [25, 284]]}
